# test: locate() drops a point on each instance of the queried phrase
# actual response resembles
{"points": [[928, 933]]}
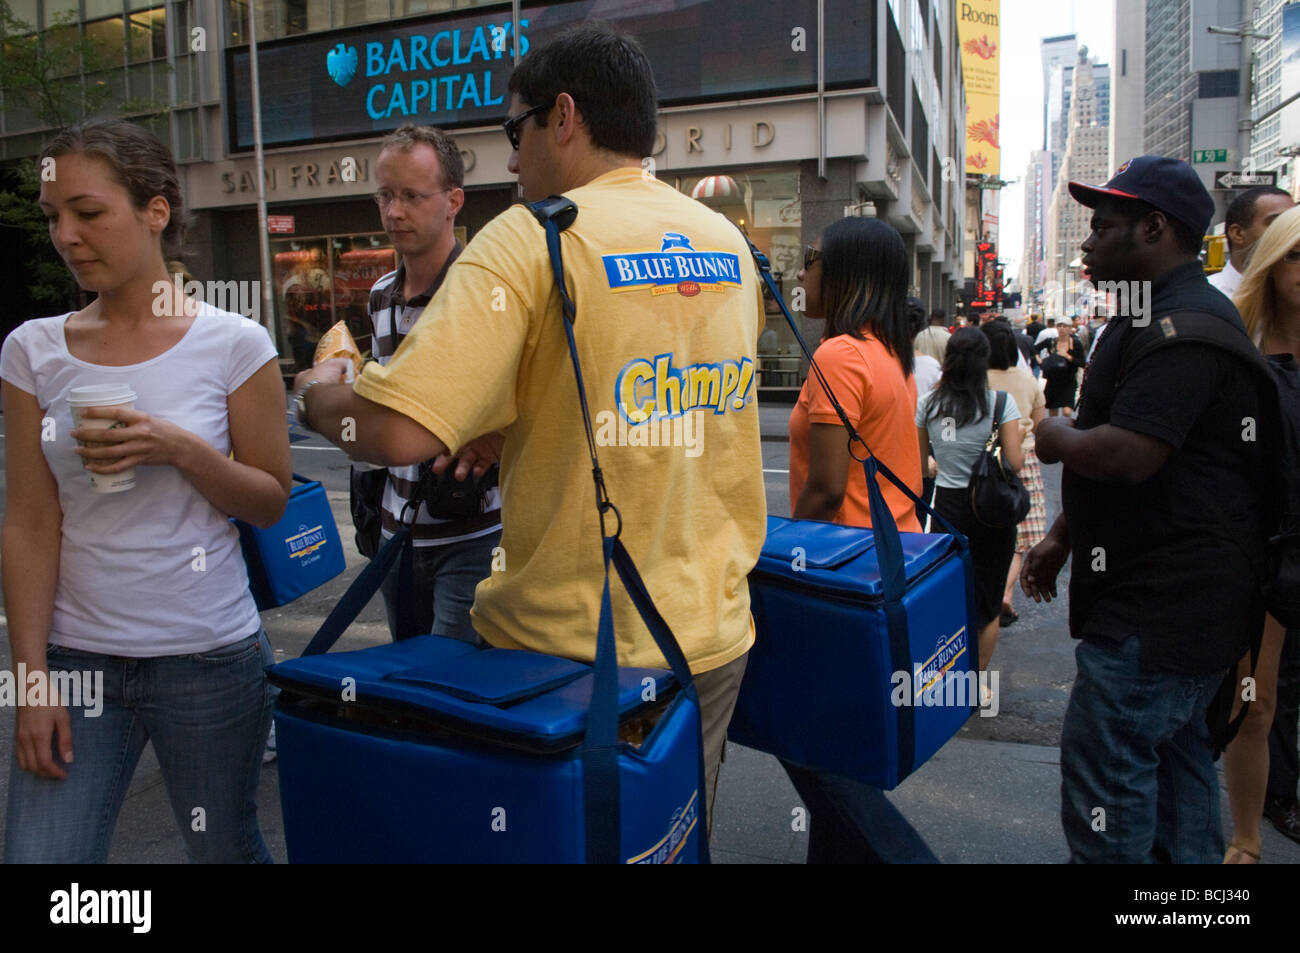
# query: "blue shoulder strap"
{"points": [[600, 747], [363, 588]]}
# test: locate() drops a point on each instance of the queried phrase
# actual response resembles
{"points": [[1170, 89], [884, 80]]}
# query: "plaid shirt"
{"points": [[392, 318]]}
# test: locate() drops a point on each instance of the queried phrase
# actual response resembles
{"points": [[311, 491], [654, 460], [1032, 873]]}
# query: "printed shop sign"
{"points": [[980, 34]]}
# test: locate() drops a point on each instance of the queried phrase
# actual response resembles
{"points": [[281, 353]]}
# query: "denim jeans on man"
{"points": [[445, 578], [207, 716], [1138, 784]]}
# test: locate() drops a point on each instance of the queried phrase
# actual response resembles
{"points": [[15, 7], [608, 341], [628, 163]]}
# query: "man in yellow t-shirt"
{"points": [[668, 316]]}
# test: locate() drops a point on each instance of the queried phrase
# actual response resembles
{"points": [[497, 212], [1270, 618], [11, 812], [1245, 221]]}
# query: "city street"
{"points": [[990, 795]]}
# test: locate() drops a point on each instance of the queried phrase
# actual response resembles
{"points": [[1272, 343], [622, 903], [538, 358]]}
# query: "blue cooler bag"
{"points": [[830, 683], [864, 661], [430, 750], [297, 554], [451, 754]]}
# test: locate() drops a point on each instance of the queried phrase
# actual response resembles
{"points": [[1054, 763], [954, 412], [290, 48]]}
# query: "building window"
{"points": [[303, 16], [55, 7], [895, 74], [920, 134], [361, 11], [1217, 84], [237, 22], [106, 34], [148, 30], [25, 10], [189, 138], [938, 59], [768, 204], [101, 8], [409, 7], [319, 281]]}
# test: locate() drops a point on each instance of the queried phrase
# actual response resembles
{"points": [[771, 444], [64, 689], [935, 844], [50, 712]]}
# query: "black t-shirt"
{"points": [[1172, 560], [1060, 377]]}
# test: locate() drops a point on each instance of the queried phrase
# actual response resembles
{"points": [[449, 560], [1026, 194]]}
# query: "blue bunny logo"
{"points": [[673, 240]]}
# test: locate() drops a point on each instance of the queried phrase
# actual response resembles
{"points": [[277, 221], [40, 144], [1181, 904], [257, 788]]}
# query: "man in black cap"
{"points": [[1163, 512]]}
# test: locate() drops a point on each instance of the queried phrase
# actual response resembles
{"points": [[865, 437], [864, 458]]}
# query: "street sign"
{"points": [[1239, 180], [279, 224], [1210, 155]]}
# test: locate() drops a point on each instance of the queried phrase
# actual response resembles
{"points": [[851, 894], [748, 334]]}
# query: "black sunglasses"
{"points": [[810, 256], [511, 125]]}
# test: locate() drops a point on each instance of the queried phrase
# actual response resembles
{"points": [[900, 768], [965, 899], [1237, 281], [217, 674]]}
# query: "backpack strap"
{"points": [[999, 407], [1197, 327]]}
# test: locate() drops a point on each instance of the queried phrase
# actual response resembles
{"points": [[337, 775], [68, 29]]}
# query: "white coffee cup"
{"points": [[103, 395]]}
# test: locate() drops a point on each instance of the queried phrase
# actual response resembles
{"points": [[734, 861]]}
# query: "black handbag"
{"points": [[997, 497], [366, 500]]}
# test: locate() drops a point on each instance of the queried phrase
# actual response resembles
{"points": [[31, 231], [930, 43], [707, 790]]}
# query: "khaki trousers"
{"points": [[718, 690]]}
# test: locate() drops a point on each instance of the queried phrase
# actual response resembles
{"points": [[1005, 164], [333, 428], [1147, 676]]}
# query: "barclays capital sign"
{"points": [[453, 69], [362, 81], [421, 75]]}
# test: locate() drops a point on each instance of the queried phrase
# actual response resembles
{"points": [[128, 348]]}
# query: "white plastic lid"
{"points": [[100, 395]]}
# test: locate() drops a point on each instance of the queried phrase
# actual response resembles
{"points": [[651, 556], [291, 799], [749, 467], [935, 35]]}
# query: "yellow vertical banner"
{"points": [[980, 36]]}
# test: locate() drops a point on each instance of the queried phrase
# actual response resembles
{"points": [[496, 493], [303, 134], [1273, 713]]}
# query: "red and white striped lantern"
{"points": [[717, 189]]}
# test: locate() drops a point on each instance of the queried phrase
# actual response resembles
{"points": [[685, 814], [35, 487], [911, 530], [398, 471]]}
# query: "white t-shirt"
{"points": [[132, 579], [927, 372], [957, 450], [1226, 280]]}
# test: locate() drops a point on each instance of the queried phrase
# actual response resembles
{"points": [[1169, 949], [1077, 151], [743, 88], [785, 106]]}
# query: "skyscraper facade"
{"points": [[1038, 184], [1266, 138], [1128, 87], [1086, 159], [1170, 85]]}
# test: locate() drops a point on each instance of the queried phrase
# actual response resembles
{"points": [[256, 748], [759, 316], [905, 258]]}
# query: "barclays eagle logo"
{"points": [[675, 240], [342, 64]]}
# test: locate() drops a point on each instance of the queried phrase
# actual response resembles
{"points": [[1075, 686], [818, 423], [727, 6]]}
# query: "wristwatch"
{"points": [[300, 404]]}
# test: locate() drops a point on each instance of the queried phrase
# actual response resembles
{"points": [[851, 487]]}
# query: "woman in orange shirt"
{"points": [[855, 278]]}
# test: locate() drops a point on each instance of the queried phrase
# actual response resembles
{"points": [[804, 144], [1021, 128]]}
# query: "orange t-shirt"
{"points": [[881, 403]]}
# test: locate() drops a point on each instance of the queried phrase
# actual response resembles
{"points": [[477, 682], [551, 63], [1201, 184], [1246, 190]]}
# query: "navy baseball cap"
{"points": [[1170, 185]]}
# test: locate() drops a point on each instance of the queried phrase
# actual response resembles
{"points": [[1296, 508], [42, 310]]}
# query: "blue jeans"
{"points": [[1138, 784], [445, 577], [207, 715], [854, 823]]}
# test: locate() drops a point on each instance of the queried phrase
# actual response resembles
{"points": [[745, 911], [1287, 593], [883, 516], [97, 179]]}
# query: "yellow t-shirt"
{"points": [[668, 316]]}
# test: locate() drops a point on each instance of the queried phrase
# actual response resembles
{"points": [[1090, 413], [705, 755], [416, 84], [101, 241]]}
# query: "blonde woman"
{"points": [[1269, 301]]}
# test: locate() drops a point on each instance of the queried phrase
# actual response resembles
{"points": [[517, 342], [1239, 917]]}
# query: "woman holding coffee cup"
{"points": [[134, 428]]}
